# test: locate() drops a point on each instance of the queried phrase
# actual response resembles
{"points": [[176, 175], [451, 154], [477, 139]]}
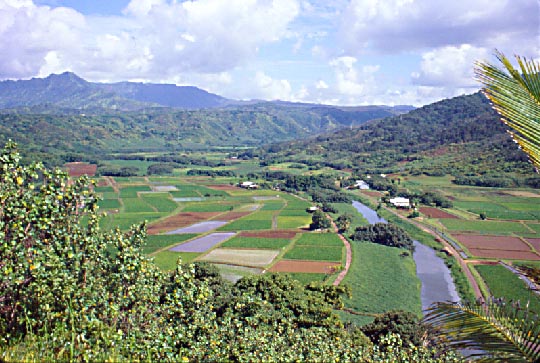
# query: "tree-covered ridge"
{"points": [[92, 134], [458, 135], [69, 291]]}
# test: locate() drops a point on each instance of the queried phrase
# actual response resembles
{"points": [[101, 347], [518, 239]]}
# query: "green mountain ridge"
{"points": [[454, 136]]}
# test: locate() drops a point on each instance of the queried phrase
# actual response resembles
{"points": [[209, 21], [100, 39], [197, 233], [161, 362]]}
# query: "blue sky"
{"points": [[344, 52]]}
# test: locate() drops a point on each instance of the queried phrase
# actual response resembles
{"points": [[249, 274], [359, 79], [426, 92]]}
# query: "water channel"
{"points": [[437, 283]]}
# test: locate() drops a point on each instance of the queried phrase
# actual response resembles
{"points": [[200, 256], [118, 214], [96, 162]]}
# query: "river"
{"points": [[437, 283]]}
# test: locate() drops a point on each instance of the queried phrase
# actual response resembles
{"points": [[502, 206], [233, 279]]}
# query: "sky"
{"points": [[340, 52]]}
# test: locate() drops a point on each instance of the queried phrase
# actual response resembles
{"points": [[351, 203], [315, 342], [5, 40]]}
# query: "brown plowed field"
{"points": [[231, 216], [503, 243], [436, 213], [78, 169], [535, 242], [304, 266], [372, 193], [224, 187], [180, 220], [501, 254], [269, 234]]}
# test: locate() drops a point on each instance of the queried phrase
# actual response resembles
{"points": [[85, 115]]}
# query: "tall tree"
{"points": [[515, 94]]}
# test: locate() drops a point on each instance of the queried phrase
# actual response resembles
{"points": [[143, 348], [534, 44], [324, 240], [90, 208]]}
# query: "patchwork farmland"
{"points": [[241, 231]]}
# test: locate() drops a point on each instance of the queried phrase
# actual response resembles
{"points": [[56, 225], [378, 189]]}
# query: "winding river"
{"points": [[437, 283]]}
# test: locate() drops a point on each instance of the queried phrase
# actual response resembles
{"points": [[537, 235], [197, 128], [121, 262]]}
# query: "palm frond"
{"points": [[495, 331], [515, 95]]}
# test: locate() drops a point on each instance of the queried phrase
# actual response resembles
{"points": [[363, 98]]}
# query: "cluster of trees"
{"points": [[387, 234], [497, 181], [211, 172]]}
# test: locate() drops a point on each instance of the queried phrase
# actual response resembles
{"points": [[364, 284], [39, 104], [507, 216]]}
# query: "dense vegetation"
{"points": [[386, 234], [460, 136], [72, 292]]}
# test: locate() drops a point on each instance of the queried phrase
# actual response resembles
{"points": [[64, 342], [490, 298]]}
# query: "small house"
{"points": [[400, 202], [248, 185]]}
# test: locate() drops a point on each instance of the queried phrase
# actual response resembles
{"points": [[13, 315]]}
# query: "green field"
{"points": [[155, 242], [381, 280], [208, 207], [504, 283], [315, 253], [293, 222], [125, 220], [319, 239], [495, 227], [109, 204], [247, 225], [160, 202], [253, 242], [131, 191], [166, 260]]}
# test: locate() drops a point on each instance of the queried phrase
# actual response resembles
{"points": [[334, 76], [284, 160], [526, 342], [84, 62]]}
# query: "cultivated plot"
{"points": [[304, 266], [202, 244], [246, 257], [200, 227]]}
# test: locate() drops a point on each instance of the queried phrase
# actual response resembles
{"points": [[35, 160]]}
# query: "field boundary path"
{"points": [[348, 258]]}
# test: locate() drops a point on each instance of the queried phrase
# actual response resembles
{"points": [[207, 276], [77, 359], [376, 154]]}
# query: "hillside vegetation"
{"points": [[459, 136]]}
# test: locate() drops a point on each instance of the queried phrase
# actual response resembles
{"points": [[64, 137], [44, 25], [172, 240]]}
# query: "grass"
{"points": [[131, 191], [161, 203], [166, 260], [136, 205], [319, 239], [125, 220], [496, 227], [109, 204], [315, 253], [381, 280], [273, 206], [306, 278], [247, 225], [293, 222], [503, 283], [155, 242], [253, 242], [207, 207]]}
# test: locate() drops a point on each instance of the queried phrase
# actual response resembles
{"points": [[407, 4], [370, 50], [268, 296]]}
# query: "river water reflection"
{"points": [[437, 283]]}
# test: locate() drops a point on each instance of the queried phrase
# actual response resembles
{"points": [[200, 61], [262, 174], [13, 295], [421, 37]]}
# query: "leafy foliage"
{"points": [[495, 331], [386, 234], [516, 97]]}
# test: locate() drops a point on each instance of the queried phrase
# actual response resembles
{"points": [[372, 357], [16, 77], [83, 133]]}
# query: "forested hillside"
{"points": [[90, 135], [459, 135]]}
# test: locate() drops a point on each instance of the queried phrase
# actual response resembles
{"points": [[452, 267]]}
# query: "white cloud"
{"points": [[403, 25], [269, 88], [154, 40], [450, 66], [350, 81]]}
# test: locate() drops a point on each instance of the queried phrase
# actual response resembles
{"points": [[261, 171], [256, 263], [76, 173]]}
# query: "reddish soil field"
{"points": [[304, 266], [102, 183], [180, 220], [502, 243], [511, 255], [270, 234], [372, 193], [231, 216], [535, 242], [224, 187], [78, 169], [436, 213]]}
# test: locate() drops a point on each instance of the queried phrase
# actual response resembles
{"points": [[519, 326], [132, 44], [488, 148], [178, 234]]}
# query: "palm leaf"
{"points": [[493, 331], [516, 97]]}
